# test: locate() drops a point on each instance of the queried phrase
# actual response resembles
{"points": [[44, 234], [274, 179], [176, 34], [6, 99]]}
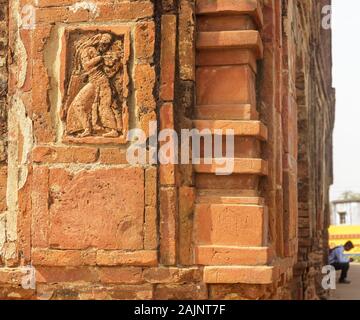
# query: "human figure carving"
{"points": [[95, 108]]}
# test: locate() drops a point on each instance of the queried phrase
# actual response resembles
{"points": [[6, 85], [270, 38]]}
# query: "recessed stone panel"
{"points": [[94, 84], [101, 209]]}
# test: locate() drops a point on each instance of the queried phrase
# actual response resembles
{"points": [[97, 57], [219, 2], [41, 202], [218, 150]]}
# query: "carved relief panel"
{"points": [[88, 80], [95, 85]]}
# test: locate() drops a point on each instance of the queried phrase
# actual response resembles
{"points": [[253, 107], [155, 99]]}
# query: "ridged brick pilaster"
{"points": [[230, 226]]}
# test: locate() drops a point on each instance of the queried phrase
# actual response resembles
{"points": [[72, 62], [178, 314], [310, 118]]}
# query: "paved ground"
{"points": [[351, 291]]}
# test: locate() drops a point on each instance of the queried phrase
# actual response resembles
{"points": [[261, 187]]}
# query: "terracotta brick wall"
{"points": [[316, 112], [93, 226], [3, 118]]}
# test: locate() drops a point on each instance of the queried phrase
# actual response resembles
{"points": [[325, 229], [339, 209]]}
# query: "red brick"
{"points": [[145, 120], [243, 39], [230, 225], [96, 209], [54, 3], [167, 174], [172, 275], [106, 12], [126, 10], [186, 41], [246, 182], [145, 40], [167, 116], [228, 57], [239, 292], [61, 274], [225, 23], [11, 276], [120, 275], [64, 155], [144, 87], [168, 51], [39, 92], [40, 207], [226, 111], [113, 156], [248, 275], [224, 85], [241, 166], [240, 128], [250, 7], [131, 292], [168, 226], [3, 187], [150, 229], [135, 258], [151, 187], [181, 292], [187, 197], [168, 5], [167, 171], [222, 256], [63, 258], [82, 291]]}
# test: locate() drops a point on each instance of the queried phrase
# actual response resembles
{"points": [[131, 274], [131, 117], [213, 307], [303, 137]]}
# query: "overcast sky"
{"points": [[346, 72]]}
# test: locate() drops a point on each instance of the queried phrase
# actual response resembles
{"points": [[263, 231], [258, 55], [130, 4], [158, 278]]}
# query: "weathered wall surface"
{"points": [[80, 75], [300, 117], [316, 114], [4, 34], [3, 114]]}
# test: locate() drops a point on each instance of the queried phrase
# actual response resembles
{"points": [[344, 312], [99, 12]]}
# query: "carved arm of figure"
{"points": [[91, 58], [112, 63], [111, 58], [113, 70]]}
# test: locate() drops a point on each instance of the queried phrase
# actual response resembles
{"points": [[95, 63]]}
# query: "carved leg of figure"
{"points": [[94, 112], [105, 111], [118, 118], [97, 127], [87, 127], [86, 133], [79, 114], [111, 134]]}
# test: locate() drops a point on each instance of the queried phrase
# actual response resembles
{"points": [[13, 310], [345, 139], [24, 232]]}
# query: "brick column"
{"points": [[230, 227], [3, 121], [168, 192]]}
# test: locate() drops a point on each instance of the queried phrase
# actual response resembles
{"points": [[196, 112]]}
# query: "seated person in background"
{"points": [[340, 262]]}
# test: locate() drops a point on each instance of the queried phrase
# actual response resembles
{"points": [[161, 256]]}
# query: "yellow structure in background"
{"points": [[338, 235]]}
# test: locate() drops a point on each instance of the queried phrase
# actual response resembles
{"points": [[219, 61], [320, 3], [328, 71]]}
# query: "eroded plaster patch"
{"points": [[2, 232], [86, 5], [19, 125], [22, 59]]}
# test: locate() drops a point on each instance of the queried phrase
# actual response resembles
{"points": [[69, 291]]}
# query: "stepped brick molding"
{"points": [[78, 221], [231, 82]]}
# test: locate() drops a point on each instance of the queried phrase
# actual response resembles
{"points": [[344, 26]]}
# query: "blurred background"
{"points": [[345, 193]]}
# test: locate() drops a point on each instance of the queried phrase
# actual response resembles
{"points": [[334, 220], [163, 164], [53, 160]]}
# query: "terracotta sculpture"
{"points": [[93, 105]]}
